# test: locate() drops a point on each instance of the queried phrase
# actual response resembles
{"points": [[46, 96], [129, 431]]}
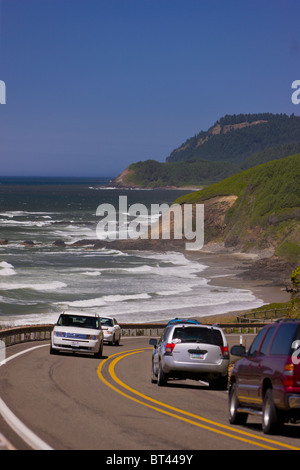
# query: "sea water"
{"points": [[40, 278]]}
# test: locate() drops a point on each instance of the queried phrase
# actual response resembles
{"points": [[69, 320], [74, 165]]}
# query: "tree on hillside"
{"points": [[295, 291]]}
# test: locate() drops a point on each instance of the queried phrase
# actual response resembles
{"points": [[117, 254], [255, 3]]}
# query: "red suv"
{"points": [[266, 381]]}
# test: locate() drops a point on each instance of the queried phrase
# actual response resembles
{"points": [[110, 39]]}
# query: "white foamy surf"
{"points": [[38, 282]]}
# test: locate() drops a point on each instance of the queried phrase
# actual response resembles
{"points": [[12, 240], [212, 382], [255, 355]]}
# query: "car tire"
{"points": [[99, 354], [234, 416], [271, 421], [117, 341], [153, 375], [53, 350], [162, 378]]}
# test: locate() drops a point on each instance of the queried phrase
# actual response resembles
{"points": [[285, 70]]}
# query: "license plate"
{"points": [[197, 356], [75, 344]]}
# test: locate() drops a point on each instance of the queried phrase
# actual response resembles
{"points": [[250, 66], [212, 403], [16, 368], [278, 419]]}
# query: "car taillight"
{"points": [[225, 352], [288, 375], [169, 348]]}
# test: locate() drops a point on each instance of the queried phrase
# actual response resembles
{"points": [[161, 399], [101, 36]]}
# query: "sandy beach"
{"points": [[227, 269], [266, 277]]}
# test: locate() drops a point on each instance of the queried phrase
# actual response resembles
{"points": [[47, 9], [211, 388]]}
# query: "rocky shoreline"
{"points": [[258, 265]]}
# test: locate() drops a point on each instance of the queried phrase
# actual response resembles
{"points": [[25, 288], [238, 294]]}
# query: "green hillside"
{"points": [[266, 211], [234, 138], [232, 144], [272, 153], [190, 173]]}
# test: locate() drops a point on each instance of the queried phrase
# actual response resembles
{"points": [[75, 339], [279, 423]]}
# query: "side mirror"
{"points": [[153, 342], [238, 350]]}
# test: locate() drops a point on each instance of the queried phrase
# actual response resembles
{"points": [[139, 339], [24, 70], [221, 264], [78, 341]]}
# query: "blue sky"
{"points": [[94, 85]]}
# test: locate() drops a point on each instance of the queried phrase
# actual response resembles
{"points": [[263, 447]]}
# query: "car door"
{"points": [[248, 368], [117, 330], [157, 350], [258, 369]]}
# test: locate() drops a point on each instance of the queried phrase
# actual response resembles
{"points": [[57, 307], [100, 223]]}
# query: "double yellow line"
{"points": [[181, 414]]}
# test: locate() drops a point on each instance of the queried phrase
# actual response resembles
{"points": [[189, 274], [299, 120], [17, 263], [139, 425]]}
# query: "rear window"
{"points": [[283, 340], [189, 334]]}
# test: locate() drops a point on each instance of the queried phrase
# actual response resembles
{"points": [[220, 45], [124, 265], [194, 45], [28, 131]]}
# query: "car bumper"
{"points": [[108, 337], [169, 366], [65, 344]]}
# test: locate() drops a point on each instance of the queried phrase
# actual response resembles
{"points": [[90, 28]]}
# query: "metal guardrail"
{"points": [[23, 334], [262, 316]]}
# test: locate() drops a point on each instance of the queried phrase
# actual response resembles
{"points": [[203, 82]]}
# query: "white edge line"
{"points": [[23, 431]]}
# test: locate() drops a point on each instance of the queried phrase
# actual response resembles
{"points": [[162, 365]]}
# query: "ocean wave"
{"points": [[183, 306], [124, 297], [187, 299], [179, 290], [92, 272], [100, 188], [49, 286], [11, 214], [168, 264], [6, 269], [184, 272], [102, 301], [173, 257], [25, 223], [137, 269]]}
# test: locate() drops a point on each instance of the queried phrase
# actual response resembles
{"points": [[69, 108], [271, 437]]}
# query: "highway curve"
{"points": [[71, 402]]}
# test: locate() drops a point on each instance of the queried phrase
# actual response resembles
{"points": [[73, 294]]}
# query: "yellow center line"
{"points": [[177, 410]]}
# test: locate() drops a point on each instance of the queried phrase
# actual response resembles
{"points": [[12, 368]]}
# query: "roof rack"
{"points": [[281, 320], [177, 321]]}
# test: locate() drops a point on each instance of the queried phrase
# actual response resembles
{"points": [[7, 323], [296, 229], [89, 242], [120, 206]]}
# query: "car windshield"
{"points": [[190, 334], [79, 321], [107, 322]]}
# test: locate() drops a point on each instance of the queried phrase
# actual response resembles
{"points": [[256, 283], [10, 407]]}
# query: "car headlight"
{"points": [[58, 333]]}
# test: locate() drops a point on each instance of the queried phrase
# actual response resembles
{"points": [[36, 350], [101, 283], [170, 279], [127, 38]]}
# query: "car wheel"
{"points": [[53, 351], [271, 420], [234, 416], [153, 374], [99, 354], [162, 378], [117, 341]]}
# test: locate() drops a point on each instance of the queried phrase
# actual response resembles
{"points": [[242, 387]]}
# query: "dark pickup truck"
{"points": [[266, 381]]}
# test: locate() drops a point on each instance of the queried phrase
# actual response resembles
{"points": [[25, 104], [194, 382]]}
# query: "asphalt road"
{"points": [[71, 402]]}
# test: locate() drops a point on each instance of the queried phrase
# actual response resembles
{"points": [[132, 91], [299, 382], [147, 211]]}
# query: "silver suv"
{"points": [[198, 352]]}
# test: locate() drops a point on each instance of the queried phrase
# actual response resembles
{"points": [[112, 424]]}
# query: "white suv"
{"points": [[185, 351], [77, 331], [111, 330]]}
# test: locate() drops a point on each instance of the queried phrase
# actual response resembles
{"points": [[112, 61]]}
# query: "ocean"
{"points": [[39, 278]]}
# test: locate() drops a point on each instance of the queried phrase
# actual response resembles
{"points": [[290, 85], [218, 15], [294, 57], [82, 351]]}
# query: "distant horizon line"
{"points": [[57, 176]]}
